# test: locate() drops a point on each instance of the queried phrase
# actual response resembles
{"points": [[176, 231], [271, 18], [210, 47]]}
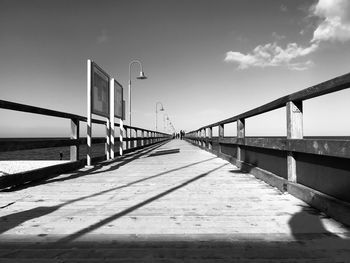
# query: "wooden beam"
{"points": [[240, 135], [330, 86], [74, 135], [294, 131]]}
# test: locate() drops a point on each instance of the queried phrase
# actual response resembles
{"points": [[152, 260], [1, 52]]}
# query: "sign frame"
{"points": [[116, 85], [97, 68]]}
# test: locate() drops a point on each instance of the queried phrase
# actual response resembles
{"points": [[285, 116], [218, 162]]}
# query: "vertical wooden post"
{"points": [[74, 134], [143, 138], [89, 122], [221, 135], [132, 137], [111, 117], [294, 131], [240, 135], [126, 136], [210, 131], [121, 135], [108, 136], [205, 137], [137, 142]]}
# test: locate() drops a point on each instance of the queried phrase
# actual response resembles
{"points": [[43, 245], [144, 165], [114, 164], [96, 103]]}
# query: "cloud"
{"points": [[277, 36], [283, 8], [336, 20], [272, 55], [102, 38], [334, 26]]}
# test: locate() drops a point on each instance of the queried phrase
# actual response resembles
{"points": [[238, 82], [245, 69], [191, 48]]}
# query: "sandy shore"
{"points": [[12, 167]]}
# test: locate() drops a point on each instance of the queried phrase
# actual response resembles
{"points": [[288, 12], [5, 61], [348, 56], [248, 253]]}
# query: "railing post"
{"points": [[88, 121], [108, 136], [294, 131], [240, 135], [221, 136], [205, 137], [121, 135], [142, 142], [74, 135], [210, 131], [126, 136]]}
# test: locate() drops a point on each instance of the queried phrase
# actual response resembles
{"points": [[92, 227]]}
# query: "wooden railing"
{"points": [[320, 165], [142, 137]]}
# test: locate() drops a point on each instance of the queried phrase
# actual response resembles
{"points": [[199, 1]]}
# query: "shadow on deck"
{"points": [[26, 236]]}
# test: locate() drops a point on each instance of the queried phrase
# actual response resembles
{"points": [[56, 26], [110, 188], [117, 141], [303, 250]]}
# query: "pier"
{"points": [[202, 199]]}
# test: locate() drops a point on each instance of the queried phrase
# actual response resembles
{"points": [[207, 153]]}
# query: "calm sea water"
{"points": [[50, 153], [97, 150]]}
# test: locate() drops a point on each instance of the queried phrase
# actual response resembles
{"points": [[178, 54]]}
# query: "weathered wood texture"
{"points": [[14, 145], [173, 204], [334, 147], [330, 86]]}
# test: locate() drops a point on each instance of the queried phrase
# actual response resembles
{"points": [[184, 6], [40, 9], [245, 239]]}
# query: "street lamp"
{"points": [[161, 109], [142, 76], [167, 118]]}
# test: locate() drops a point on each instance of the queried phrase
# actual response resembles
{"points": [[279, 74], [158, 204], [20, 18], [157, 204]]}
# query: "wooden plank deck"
{"points": [[173, 203]]}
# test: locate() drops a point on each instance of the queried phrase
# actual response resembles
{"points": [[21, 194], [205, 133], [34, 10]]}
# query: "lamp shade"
{"points": [[142, 75]]}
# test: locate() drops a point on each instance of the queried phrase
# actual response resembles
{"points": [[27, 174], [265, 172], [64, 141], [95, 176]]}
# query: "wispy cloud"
{"points": [[336, 20], [272, 55], [283, 8], [334, 26], [102, 38]]}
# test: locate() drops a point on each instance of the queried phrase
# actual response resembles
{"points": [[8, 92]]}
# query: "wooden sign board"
{"points": [[118, 100], [99, 91], [123, 110]]}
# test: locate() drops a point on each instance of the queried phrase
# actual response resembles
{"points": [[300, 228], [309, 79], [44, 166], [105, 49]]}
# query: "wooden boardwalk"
{"points": [[172, 203]]}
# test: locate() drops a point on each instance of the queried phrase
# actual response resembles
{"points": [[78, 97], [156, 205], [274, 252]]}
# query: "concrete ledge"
{"points": [[17, 179], [268, 177], [331, 206]]}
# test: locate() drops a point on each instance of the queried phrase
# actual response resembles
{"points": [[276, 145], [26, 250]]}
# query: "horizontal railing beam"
{"points": [[330, 86]]}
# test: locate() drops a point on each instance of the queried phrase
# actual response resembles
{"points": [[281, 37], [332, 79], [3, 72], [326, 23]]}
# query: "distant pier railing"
{"points": [[137, 137], [315, 170]]}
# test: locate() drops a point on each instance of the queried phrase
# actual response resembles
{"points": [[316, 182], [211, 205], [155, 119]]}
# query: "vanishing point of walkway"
{"points": [[167, 203]]}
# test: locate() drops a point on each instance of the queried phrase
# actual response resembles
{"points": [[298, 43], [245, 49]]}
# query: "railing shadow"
{"points": [[134, 207], [10, 221], [164, 152], [121, 161]]}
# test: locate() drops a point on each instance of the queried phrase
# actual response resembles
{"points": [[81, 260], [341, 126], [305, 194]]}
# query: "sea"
{"points": [[56, 153], [53, 153]]}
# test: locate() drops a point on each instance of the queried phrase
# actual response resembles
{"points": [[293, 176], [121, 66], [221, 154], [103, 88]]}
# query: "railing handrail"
{"points": [[330, 86], [9, 105]]}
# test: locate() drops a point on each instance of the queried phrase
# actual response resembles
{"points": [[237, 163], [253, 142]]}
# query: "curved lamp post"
{"points": [[161, 109], [142, 76], [165, 121]]}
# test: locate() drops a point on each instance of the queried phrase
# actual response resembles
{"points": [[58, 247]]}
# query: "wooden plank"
{"points": [[294, 131], [37, 110], [189, 205], [74, 149], [330, 86]]}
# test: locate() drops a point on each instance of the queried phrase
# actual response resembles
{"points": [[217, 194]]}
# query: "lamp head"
{"points": [[162, 109], [142, 75]]}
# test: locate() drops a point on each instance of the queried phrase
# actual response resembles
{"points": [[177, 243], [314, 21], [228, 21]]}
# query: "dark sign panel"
{"points": [[123, 110], [118, 100], [99, 91]]}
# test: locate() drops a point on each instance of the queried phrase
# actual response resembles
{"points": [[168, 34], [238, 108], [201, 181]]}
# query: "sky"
{"points": [[205, 60]]}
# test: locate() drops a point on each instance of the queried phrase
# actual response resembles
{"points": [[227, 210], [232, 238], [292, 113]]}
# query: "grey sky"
{"points": [[44, 46]]}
